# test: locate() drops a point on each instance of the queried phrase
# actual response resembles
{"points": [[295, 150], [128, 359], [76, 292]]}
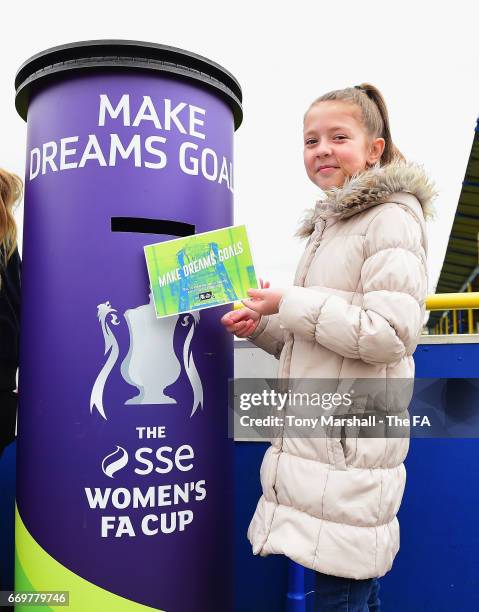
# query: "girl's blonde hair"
{"points": [[11, 187], [374, 115]]}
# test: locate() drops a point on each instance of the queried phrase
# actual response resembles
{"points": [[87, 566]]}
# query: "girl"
{"points": [[356, 310], [10, 192]]}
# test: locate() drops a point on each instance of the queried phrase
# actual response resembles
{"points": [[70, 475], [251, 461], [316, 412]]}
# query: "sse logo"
{"points": [[207, 295]]}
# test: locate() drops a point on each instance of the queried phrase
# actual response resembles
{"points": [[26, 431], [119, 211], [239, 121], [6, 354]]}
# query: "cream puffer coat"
{"points": [[356, 310]]}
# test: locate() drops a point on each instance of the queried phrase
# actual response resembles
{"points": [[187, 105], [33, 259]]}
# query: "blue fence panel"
{"points": [[7, 516]]}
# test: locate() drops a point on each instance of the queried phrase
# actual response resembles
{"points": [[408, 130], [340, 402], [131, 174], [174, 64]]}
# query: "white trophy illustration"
{"points": [[150, 364]]}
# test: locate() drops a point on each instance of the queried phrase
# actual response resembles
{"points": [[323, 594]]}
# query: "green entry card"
{"points": [[200, 271]]}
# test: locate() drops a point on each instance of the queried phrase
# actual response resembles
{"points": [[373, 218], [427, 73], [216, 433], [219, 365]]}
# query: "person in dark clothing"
{"points": [[10, 266]]}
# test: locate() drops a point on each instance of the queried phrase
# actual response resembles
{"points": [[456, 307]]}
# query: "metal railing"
{"points": [[454, 302]]}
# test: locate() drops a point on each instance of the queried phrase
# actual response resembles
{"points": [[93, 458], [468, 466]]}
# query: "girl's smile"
{"points": [[336, 143], [327, 169]]}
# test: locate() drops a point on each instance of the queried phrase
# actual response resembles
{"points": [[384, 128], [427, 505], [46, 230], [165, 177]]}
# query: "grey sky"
{"points": [[422, 56]]}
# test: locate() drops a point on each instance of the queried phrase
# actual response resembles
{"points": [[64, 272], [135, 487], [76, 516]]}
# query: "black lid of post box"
{"points": [[101, 54]]}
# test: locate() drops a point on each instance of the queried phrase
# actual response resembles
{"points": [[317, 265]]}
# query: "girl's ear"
{"points": [[376, 150]]}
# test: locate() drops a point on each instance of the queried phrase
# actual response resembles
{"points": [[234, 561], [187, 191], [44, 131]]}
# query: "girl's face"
{"points": [[336, 143]]}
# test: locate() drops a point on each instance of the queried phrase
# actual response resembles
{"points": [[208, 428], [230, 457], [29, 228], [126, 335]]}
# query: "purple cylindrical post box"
{"points": [[124, 492]]}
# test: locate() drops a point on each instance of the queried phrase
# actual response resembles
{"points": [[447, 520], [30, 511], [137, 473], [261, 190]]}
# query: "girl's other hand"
{"points": [[264, 301]]}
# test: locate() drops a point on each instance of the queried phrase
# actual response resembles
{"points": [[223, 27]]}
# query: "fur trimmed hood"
{"points": [[372, 187]]}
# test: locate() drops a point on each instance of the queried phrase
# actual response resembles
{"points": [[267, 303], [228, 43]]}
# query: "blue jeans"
{"points": [[335, 594]]}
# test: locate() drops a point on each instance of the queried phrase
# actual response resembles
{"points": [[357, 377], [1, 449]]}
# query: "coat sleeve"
{"points": [[386, 327], [269, 336]]}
